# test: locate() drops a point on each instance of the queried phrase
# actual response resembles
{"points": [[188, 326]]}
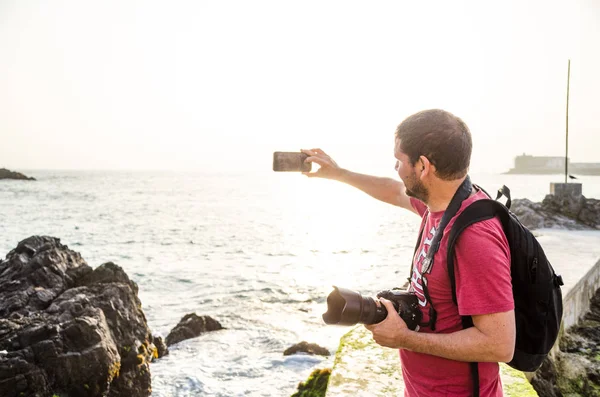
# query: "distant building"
{"points": [[527, 164]]}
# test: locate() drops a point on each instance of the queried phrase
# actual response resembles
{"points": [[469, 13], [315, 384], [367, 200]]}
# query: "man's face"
{"points": [[408, 174]]}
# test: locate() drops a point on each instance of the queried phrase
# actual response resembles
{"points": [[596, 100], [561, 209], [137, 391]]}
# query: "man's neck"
{"points": [[440, 199]]}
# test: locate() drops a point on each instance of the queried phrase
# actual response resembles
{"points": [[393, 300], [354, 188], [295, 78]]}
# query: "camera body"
{"points": [[346, 307], [406, 304]]}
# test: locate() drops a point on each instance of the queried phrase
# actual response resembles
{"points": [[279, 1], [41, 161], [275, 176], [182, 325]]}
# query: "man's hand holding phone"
{"points": [[328, 168]]}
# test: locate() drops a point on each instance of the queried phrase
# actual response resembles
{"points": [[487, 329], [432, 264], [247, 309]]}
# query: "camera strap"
{"points": [[462, 193]]}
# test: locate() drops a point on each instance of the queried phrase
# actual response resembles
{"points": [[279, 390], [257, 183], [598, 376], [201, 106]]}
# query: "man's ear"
{"points": [[426, 166]]}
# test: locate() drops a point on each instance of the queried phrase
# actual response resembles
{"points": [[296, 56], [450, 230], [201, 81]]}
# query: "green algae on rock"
{"points": [[362, 367], [315, 385], [514, 383]]}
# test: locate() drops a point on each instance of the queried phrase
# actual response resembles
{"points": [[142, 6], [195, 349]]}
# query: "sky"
{"points": [[220, 85]]}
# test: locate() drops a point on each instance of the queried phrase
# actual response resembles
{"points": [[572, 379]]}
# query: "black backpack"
{"points": [[536, 287]]}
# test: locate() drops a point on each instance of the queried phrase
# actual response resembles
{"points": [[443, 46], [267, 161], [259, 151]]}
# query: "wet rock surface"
{"points": [[576, 369], [559, 212], [191, 326], [8, 174], [544, 380], [68, 329], [305, 347]]}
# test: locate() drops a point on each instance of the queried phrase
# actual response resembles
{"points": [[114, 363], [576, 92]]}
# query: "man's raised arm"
{"points": [[388, 190]]}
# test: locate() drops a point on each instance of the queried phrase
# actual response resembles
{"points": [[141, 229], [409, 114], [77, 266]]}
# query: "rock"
{"points": [[572, 366], [528, 213], [544, 380], [108, 273], [161, 347], [574, 343], [568, 206], [305, 347], [315, 385], [8, 174], [68, 329], [191, 326], [558, 212], [576, 369], [590, 213]]}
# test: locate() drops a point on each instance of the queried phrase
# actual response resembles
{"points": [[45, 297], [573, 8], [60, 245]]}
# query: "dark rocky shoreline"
{"points": [[571, 213], [69, 330], [575, 370], [8, 174]]}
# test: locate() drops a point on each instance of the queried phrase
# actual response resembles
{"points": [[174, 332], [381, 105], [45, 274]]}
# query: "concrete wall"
{"points": [[577, 300], [566, 189]]}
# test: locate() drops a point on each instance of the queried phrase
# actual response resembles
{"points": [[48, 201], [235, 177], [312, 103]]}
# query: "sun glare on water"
{"points": [[327, 226]]}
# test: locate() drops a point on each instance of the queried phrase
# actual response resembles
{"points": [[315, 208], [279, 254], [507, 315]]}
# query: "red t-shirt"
{"points": [[483, 286]]}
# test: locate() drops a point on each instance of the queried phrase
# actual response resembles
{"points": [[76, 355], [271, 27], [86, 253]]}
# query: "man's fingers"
{"points": [[327, 167], [315, 159], [388, 305], [313, 152]]}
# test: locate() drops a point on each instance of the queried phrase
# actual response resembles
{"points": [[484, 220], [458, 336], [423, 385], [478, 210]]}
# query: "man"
{"points": [[433, 151]]}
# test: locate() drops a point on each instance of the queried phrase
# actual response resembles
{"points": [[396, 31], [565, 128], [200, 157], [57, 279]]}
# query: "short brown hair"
{"points": [[441, 137]]}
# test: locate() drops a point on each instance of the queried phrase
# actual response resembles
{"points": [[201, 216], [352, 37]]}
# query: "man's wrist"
{"points": [[404, 338], [342, 175]]}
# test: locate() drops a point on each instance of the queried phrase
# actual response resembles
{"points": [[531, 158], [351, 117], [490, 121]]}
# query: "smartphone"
{"points": [[290, 161]]}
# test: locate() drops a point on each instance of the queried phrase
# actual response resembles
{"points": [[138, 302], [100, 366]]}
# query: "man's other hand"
{"points": [[392, 330]]}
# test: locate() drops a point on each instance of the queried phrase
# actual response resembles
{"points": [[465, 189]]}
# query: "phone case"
{"points": [[290, 162]]}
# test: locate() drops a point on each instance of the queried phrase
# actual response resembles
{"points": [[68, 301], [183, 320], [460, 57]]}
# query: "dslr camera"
{"points": [[346, 307]]}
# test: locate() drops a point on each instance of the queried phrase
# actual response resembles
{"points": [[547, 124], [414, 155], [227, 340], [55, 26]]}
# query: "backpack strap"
{"points": [[504, 191], [467, 322], [476, 212]]}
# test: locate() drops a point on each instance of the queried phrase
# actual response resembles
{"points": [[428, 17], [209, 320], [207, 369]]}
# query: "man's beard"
{"points": [[417, 189]]}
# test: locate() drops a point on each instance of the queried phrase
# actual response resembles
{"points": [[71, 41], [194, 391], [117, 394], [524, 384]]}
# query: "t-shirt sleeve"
{"points": [[418, 205], [482, 270]]}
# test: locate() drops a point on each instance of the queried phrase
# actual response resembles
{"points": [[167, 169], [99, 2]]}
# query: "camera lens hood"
{"points": [[344, 307]]}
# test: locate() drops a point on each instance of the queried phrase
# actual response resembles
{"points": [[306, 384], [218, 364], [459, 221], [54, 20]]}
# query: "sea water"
{"points": [[258, 252]]}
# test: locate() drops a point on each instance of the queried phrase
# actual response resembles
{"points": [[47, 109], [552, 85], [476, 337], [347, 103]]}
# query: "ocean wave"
{"points": [[280, 254], [301, 360]]}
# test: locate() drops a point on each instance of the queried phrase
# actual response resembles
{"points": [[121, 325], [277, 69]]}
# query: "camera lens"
{"points": [[346, 307]]}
